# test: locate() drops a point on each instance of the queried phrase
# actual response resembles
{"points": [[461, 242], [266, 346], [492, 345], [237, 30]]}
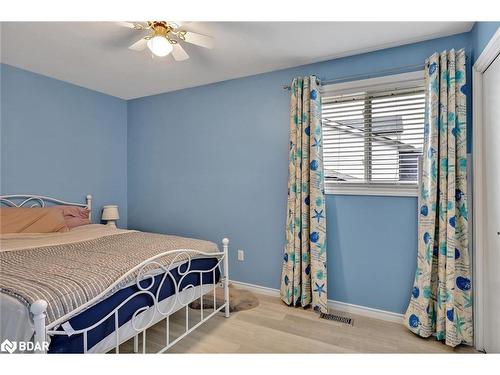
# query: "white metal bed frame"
{"points": [[145, 271]]}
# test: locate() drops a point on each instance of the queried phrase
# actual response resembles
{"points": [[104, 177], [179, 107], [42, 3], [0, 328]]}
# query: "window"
{"points": [[373, 135]]}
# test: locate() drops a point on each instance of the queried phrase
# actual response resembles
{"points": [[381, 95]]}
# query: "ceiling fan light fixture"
{"points": [[160, 46], [166, 38]]}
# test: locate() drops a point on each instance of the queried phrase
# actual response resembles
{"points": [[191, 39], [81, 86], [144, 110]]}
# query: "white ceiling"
{"points": [[95, 54]]}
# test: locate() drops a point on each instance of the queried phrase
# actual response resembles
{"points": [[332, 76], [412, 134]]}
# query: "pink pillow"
{"points": [[74, 216]]}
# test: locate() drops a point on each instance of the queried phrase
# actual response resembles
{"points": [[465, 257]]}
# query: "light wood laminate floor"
{"points": [[273, 327]]}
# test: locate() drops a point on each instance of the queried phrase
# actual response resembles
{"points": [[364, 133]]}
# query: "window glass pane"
{"points": [[374, 137], [344, 131]]}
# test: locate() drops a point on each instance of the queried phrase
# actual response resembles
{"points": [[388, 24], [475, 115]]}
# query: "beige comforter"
{"points": [[69, 270]]}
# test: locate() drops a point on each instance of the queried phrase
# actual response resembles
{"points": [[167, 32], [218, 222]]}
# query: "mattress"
{"points": [[15, 320]]}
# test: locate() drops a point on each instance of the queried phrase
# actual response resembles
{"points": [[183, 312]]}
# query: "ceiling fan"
{"points": [[165, 37]]}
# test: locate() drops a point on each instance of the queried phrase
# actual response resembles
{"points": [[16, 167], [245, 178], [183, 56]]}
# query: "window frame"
{"points": [[395, 81]]}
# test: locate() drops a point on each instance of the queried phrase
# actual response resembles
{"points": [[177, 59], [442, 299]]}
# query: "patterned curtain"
{"points": [[303, 279], [441, 301]]}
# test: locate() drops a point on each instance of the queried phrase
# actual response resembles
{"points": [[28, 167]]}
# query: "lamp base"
{"points": [[111, 223]]}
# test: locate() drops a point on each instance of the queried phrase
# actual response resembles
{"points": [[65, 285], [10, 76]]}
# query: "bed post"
{"points": [[89, 207], [38, 309], [225, 243]]}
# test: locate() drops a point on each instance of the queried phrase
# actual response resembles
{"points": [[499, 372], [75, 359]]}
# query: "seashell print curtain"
{"points": [[303, 278], [441, 302]]}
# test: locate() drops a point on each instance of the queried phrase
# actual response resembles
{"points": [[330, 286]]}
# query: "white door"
{"points": [[491, 113]]}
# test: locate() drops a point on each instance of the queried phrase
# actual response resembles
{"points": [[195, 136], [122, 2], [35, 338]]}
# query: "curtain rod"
{"points": [[401, 69]]}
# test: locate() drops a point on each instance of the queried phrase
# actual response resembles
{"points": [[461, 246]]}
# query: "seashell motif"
{"points": [[463, 283], [450, 314], [413, 321], [415, 292], [432, 68], [314, 237]]}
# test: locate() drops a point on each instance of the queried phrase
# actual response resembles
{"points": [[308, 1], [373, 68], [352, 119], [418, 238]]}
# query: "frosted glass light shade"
{"points": [[160, 46], [110, 213]]}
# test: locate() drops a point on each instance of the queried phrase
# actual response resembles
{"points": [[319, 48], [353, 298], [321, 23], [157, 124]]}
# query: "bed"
{"points": [[92, 288]]}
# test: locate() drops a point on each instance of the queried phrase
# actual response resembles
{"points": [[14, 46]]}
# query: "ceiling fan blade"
{"points": [[132, 25], [176, 24], [198, 39], [179, 53], [139, 45]]}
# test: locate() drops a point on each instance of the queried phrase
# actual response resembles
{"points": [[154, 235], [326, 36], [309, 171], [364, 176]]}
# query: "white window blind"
{"points": [[374, 137]]}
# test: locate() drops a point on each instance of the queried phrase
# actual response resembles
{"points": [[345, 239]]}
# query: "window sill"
{"points": [[391, 191]]}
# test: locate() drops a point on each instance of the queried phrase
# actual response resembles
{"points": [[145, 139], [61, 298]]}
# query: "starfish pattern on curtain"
{"points": [[303, 279], [441, 301]]}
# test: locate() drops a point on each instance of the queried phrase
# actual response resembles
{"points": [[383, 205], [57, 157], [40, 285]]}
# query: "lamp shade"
{"points": [[110, 213]]}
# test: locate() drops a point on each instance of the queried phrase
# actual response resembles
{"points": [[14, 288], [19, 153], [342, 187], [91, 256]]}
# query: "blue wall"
{"points": [[211, 161], [481, 35], [62, 140]]}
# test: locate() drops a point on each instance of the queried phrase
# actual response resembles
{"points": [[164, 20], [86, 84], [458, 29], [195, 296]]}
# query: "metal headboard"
{"points": [[28, 200]]}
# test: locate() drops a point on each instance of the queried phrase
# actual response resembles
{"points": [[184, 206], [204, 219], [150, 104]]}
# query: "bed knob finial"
{"points": [[225, 241], [38, 307], [89, 206]]}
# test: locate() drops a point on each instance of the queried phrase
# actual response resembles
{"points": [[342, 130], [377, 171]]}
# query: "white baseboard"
{"points": [[257, 288], [368, 312]]}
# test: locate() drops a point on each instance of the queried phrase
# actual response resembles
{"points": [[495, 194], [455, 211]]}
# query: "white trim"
{"points": [[478, 213], [256, 288], [392, 191], [350, 308], [365, 311], [488, 55], [393, 81]]}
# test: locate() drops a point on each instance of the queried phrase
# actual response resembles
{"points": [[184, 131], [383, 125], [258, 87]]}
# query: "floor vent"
{"points": [[337, 318]]}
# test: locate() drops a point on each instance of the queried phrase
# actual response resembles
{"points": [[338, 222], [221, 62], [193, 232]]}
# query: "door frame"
{"points": [[489, 54]]}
